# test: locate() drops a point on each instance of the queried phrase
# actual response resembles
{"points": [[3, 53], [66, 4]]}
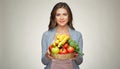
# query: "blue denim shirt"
{"points": [[47, 39]]}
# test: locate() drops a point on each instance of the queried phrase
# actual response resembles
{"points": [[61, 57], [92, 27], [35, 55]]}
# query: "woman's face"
{"points": [[61, 17]]}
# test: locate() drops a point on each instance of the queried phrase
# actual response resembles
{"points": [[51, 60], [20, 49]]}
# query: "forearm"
{"points": [[45, 60], [79, 60]]}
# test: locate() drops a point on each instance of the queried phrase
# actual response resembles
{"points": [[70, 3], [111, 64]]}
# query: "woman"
{"points": [[61, 22]]}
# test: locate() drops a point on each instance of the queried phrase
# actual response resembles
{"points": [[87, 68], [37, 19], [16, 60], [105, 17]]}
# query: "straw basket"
{"points": [[63, 56]]}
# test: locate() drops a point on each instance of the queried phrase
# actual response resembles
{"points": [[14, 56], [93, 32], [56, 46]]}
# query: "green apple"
{"points": [[55, 50]]}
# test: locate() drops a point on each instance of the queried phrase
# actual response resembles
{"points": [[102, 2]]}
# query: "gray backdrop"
{"points": [[22, 23]]}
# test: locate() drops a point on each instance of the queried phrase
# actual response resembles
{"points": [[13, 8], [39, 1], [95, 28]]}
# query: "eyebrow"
{"points": [[62, 13]]}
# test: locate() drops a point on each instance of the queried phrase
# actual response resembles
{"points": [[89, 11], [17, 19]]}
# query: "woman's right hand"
{"points": [[48, 54]]}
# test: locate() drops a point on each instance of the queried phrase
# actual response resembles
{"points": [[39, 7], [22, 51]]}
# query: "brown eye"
{"points": [[57, 14], [65, 14]]}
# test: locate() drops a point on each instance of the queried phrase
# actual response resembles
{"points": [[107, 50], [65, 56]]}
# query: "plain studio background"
{"points": [[22, 23]]}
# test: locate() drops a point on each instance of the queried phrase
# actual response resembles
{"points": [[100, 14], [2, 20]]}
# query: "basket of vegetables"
{"points": [[63, 47]]}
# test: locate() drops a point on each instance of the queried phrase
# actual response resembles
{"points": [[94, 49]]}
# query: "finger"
{"points": [[48, 52], [74, 58], [75, 54], [50, 57]]}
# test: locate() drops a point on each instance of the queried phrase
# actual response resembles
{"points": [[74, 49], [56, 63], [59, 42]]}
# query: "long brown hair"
{"points": [[52, 23]]}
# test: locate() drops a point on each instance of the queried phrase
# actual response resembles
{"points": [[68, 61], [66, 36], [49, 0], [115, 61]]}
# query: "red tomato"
{"points": [[63, 51], [50, 47], [70, 49], [65, 45]]}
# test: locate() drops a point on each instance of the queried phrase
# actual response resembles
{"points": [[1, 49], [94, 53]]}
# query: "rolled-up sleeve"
{"points": [[79, 59], [45, 60]]}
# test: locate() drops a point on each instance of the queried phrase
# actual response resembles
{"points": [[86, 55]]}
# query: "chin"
{"points": [[62, 24]]}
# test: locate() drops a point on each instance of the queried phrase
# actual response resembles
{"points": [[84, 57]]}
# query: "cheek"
{"points": [[57, 18], [66, 18]]}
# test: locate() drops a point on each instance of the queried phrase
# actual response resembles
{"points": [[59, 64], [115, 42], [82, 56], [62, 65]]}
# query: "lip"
{"points": [[62, 21]]}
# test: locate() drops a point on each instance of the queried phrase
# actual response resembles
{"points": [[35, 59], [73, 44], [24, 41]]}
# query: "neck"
{"points": [[62, 29]]}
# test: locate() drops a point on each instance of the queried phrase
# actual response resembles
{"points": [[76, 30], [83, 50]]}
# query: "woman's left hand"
{"points": [[75, 55]]}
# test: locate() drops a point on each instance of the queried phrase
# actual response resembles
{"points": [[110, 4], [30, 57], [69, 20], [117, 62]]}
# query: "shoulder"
{"points": [[77, 33], [48, 32]]}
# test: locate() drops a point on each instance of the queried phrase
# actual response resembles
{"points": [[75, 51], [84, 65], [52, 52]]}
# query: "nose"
{"points": [[61, 17]]}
